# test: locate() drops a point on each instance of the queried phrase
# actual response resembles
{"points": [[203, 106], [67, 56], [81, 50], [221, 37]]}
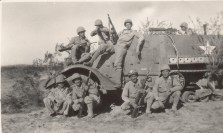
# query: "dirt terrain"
{"points": [[192, 118], [23, 112]]}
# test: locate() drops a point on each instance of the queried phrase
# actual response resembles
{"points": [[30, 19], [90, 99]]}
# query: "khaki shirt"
{"points": [[163, 86], [104, 35], [83, 43], [131, 90], [78, 92], [59, 94], [126, 37]]}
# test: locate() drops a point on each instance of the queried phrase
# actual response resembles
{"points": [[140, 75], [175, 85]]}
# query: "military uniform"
{"points": [[58, 100], [129, 94], [165, 91]]}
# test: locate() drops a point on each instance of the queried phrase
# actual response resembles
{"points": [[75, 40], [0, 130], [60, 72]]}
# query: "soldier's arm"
{"points": [[176, 85], [141, 39], [52, 94], [125, 93], [94, 32], [87, 47]]}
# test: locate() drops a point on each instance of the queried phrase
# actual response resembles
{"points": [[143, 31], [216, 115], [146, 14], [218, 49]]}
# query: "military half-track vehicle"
{"points": [[181, 52]]}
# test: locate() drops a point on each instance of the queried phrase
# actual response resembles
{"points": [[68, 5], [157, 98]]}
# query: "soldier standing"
{"points": [[131, 90], [57, 102], [185, 29], [79, 46], [166, 91], [83, 95]]}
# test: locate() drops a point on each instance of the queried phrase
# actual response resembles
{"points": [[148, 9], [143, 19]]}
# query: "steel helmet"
{"points": [[128, 21], [184, 24], [75, 76], [80, 29], [165, 67], [60, 79], [98, 22], [132, 72]]}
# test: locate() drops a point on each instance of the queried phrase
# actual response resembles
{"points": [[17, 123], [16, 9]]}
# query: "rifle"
{"points": [[84, 95], [113, 34], [139, 99]]}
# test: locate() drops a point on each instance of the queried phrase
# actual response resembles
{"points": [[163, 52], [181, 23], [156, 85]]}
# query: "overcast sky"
{"points": [[30, 29]]}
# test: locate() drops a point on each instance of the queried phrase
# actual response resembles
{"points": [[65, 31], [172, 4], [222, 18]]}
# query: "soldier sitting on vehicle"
{"points": [[185, 29], [166, 91], [126, 37], [79, 46], [105, 43], [83, 95], [131, 90], [57, 102]]}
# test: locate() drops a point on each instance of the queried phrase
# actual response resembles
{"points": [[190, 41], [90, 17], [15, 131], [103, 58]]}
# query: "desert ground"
{"points": [[23, 112]]}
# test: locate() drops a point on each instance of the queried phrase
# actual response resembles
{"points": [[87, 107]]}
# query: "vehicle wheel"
{"points": [[217, 97], [188, 97], [204, 99]]}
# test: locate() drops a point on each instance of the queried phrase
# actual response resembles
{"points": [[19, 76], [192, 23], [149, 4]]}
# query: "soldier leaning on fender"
{"points": [[131, 90], [166, 90], [83, 95], [57, 102], [80, 46]]}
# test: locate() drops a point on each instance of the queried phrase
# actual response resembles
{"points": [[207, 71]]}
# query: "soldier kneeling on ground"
{"points": [[83, 95], [167, 90], [57, 100], [131, 91]]}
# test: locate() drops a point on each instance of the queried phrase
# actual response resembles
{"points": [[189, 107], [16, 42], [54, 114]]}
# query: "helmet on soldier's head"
{"points": [[128, 21], [60, 79], [75, 76], [80, 29], [132, 72], [98, 22], [165, 67], [184, 24]]}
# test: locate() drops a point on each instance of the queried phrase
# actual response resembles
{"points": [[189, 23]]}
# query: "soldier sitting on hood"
{"points": [[185, 29], [83, 95], [57, 102], [166, 91], [80, 48]]}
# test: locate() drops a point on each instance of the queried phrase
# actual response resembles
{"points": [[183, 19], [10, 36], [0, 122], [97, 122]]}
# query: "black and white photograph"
{"points": [[111, 66]]}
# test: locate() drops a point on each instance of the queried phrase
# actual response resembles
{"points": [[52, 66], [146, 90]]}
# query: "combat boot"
{"points": [[94, 57]]}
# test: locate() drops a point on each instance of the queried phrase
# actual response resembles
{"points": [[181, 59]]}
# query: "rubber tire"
{"points": [[216, 97], [205, 99], [185, 96]]}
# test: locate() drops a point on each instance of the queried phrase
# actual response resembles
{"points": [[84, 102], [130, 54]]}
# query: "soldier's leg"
{"points": [[149, 100], [74, 54], [90, 105], [126, 106], [101, 50], [119, 58], [49, 106], [84, 57], [67, 106], [175, 98]]}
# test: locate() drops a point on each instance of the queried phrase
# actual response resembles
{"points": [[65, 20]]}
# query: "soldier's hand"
{"points": [[81, 100]]}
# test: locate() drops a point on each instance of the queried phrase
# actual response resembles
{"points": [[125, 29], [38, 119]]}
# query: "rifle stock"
{"points": [[114, 34]]}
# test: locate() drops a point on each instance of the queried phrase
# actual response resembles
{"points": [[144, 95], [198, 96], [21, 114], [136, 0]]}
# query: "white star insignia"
{"points": [[207, 49]]}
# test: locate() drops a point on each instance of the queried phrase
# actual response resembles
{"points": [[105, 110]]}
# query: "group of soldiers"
{"points": [[64, 99]]}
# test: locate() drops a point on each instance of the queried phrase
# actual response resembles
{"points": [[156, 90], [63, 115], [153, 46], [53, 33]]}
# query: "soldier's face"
{"points": [[78, 82], [183, 28], [99, 26], [82, 34], [133, 78], [128, 26], [165, 73]]}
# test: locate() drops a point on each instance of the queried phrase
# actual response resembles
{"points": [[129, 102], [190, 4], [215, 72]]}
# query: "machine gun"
{"points": [[84, 95], [139, 98], [113, 33], [167, 31]]}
